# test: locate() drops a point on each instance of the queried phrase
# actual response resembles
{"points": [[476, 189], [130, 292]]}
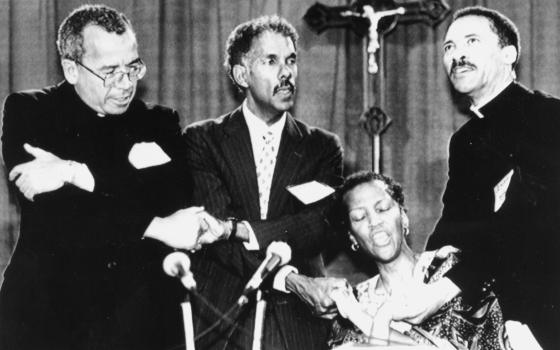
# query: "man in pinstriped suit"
{"points": [[226, 156]]}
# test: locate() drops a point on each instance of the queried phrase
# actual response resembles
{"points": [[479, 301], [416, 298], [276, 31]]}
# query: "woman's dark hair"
{"points": [[339, 217], [394, 189]]}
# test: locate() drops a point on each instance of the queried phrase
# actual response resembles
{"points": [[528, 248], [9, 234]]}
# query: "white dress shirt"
{"points": [[258, 128]]}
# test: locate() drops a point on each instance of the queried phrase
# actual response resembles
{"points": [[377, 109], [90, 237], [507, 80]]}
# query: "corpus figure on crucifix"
{"points": [[372, 19]]}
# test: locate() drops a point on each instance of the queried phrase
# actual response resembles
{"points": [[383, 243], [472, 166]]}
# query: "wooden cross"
{"points": [[372, 19]]}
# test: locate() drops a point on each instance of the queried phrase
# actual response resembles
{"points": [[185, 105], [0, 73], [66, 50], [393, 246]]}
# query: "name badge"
{"points": [[500, 191], [147, 154], [310, 192]]}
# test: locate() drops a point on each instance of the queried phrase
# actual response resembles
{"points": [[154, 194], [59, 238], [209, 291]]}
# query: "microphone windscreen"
{"points": [[281, 249], [176, 264]]}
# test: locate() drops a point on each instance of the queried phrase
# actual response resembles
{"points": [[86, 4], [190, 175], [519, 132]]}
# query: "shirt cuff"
{"points": [[253, 244], [152, 229], [279, 282], [80, 176]]}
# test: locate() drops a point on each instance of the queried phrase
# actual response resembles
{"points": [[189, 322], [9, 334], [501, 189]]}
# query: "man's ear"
{"points": [[405, 223], [509, 54], [70, 71], [240, 75]]}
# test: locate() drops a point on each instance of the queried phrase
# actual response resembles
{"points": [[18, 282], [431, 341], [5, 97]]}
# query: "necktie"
{"points": [[265, 170]]}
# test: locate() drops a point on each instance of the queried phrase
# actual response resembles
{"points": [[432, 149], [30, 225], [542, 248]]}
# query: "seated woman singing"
{"points": [[374, 216]]}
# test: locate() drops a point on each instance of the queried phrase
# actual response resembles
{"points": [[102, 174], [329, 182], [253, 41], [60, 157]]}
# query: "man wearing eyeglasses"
{"points": [[95, 170]]}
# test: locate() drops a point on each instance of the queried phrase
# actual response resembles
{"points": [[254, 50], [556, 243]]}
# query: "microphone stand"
{"points": [[259, 321], [177, 264], [188, 322]]}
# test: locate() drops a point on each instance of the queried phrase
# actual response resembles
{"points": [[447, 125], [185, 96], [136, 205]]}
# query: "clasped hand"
{"points": [[373, 322], [187, 229], [45, 173], [316, 292], [418, 300]]}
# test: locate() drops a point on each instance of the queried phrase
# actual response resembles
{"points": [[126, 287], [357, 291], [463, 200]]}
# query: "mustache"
{"points": [[284, 84], [461, 63]]}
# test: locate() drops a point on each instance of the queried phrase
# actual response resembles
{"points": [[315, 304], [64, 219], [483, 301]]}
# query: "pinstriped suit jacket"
{"points": [[221, 160]]}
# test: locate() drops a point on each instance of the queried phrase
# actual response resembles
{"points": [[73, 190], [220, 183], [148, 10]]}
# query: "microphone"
{"points": [[277, 254], [178, 264]]}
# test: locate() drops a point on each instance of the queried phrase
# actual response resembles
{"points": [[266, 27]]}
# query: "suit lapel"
{"points": [[238, 153], [288, 163]]}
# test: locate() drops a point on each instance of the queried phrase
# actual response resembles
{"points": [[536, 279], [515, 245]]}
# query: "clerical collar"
{"points": [[79, 101], [257, 127], [476, 111], [485, 101]]}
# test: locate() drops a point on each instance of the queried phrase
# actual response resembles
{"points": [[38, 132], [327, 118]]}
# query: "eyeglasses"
{"points": [[136, 71]]}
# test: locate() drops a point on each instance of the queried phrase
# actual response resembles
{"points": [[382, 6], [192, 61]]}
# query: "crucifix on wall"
{"points": [[372, 19]]}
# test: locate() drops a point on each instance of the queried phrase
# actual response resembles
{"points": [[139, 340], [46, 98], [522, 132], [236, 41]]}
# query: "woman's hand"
{"points": [[420, 300], [425, 260], [376, 327], [346, 303], [316, 292]]}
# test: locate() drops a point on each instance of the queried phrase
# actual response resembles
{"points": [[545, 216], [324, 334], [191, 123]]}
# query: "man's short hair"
{"points": [[70, 40], [241, 38], [507, 32]]}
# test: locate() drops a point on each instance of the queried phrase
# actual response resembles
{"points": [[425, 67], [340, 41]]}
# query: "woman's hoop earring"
{"points": [[354, 244]]}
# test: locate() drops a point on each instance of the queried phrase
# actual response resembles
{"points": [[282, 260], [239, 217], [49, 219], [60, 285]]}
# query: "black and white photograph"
{"points": [[280, 174]]}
